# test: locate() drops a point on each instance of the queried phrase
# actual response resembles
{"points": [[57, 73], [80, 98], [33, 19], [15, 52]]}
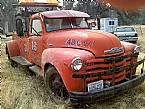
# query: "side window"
{"points": [[36, 26], [111, 22]]}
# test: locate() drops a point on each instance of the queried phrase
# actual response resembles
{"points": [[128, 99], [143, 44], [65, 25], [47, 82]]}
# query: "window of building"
{"points": [[111, 23]]}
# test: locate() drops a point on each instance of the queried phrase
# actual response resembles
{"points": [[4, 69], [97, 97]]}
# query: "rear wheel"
{"points": [[55, 86], [13, 63]]}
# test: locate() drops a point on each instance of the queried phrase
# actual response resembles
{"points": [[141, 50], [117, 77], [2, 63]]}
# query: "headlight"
{"points": [[136, 50], [76, 64]]}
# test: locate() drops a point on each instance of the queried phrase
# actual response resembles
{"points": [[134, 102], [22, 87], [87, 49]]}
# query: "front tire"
{"points": [[55, 86]]}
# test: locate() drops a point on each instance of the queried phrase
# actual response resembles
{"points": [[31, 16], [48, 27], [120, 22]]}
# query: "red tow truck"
{"points": [[75, 62]]}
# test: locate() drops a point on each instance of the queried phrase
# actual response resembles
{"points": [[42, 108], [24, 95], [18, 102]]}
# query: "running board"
{"points": [[21, 60], [36, 69]]}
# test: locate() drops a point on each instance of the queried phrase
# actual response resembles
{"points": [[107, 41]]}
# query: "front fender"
{"points": [[61, 58], [129, 47]]}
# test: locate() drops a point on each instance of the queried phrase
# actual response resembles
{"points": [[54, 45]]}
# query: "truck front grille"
{"points": [[101, 64]]}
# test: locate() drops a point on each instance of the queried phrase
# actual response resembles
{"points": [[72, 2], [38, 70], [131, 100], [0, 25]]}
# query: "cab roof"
{"points": [[61, 14]]}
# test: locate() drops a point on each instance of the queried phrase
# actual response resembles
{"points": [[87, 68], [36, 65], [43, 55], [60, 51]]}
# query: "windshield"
{"points": [[125, 29], [62, 23]]}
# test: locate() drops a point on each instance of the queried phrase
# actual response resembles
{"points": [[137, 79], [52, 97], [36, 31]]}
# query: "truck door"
{"points": [[35, 42]]}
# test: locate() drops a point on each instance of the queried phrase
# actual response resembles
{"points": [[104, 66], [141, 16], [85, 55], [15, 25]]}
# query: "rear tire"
{"points": [[55, 86], [12, 63]]}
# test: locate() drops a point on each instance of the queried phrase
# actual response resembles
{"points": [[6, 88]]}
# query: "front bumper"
{"points": [[89, 97]]}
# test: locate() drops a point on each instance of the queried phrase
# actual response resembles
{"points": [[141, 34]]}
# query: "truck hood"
{"points": [[91, 40]]}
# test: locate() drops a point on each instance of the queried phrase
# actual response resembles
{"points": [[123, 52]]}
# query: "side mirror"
{"points": [[93, 24], [19, 27]]}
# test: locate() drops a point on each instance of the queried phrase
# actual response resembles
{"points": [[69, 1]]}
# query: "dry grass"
{"points": [[141, 31], [19, 90]]}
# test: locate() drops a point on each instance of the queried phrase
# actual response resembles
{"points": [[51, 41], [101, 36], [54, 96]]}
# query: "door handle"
{"points": [[50, 44]]}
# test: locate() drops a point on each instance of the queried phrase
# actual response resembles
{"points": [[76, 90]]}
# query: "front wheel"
{"points": [[55, 86]]}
